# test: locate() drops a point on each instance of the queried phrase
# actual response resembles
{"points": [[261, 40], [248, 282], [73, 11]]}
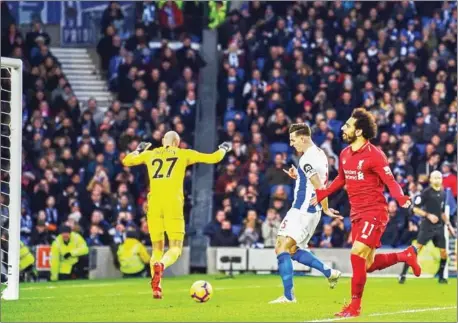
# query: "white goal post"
{"points": [[10, 171]]}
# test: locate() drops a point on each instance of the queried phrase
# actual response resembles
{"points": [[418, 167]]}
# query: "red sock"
{"points": [[358, 280], [383, 260]]}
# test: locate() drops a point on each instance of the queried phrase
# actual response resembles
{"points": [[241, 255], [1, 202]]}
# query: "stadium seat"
{"points": [[347, 223], [236, 228], [421, 148], [260, 63], [279, 148], [326, 219]]}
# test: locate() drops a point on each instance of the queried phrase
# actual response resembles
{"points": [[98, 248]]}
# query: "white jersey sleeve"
{"points": [[315, 162]]}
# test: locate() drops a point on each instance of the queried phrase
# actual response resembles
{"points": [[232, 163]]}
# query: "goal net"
{"points": [[10, 174]]}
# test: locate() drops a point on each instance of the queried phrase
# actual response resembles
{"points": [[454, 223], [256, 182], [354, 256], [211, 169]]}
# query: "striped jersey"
{"points": [[313, 161]]}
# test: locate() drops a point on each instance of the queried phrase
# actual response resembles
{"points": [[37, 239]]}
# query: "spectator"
{"points": [[112, 15], [249, 236], [26, 225], [326, 237], [170, 18], [449, 179], [275, 174], [224, 237], [40, 235], [393, 232], [215, 225], [270, 228]]}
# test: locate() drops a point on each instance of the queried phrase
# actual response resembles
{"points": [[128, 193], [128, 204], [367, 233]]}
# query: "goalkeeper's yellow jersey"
{"points": [[167, 168]]}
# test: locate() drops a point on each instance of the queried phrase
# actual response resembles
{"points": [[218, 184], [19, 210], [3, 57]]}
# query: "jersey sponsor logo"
{"points": [[354, 175], [360, 164]]}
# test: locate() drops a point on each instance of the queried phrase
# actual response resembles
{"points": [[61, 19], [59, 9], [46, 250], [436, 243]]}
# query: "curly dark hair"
{"points": [[301, 129], [365, 121]]}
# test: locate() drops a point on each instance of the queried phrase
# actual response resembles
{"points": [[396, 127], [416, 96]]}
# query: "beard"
{"points": [[349, 138]]}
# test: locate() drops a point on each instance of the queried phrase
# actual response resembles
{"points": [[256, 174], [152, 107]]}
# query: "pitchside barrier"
{"points": [[239, 260]]}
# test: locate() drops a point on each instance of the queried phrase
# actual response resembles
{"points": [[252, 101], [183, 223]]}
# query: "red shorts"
{"points": [[368, 231]]}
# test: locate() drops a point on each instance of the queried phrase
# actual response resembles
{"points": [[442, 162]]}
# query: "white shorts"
{"points": [[299, 226]]}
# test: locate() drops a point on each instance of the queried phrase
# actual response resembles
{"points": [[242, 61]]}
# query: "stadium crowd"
{"points": [[315, 62], [285, 62]]}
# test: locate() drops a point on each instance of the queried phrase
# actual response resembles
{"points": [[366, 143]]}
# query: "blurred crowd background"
{"points": [[280, 63]]}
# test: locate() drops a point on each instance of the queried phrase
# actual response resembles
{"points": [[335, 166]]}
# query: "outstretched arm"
{"points": [[198, 157], [135, 158], [315, 179], [336, 185]]}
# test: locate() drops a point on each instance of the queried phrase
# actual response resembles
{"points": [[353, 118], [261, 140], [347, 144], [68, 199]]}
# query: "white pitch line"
{"points": [[419, 310], [72, 286], [146, 292]]}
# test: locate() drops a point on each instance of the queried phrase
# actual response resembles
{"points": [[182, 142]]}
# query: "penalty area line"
{"points": [[419, 310]]}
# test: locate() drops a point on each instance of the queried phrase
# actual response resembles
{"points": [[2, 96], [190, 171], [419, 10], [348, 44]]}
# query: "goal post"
{"points": [[10, 173]]}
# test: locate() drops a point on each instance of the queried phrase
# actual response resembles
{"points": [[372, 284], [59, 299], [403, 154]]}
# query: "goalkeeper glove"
{"points": [[67, 255], [227, 146], [143, 146]]}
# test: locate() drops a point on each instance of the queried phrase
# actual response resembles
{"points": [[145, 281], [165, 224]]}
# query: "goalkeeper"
{"points": [[166, 171]]}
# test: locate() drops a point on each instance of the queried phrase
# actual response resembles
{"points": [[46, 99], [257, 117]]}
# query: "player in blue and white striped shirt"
{"points": [[300, 222]]}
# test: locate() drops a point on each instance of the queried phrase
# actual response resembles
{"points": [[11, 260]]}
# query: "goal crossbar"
{"points": [[14, 67]]}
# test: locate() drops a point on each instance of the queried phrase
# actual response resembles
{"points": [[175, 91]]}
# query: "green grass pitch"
{"points": [[241, 299]]}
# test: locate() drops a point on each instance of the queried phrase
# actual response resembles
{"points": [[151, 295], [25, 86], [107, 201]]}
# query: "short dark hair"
{"points": [[365, 121], [301, 129]]}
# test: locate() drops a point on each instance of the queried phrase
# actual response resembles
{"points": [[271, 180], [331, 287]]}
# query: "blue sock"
{"points": [[285, 267], [307, 258]]}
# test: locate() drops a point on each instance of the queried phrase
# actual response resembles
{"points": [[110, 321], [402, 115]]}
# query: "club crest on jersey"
{"points": [[360, 164]]}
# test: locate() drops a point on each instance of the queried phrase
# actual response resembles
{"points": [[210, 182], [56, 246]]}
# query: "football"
{"points": [[201, 291]]}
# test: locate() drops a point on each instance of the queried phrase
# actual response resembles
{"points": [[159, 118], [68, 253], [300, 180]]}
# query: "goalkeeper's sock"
{"points": [[442, 267], [156, 257], [285, 267], [309, 259], [171, 256], [383, 260], [358, 279]]}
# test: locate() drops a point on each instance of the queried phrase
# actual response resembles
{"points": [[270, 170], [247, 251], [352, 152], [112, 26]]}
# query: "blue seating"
{"points": [[347, 223], [421, 148], [326, 219], [279, 148]]}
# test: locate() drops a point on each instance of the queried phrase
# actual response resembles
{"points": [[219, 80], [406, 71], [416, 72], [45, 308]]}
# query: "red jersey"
{"points": [[365, 172]]}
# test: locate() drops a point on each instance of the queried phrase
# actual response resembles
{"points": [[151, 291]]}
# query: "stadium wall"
{"points": [[101, 261]]}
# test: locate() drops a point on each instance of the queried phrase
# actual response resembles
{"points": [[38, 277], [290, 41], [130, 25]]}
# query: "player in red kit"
{"points": [[365, 170]]}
